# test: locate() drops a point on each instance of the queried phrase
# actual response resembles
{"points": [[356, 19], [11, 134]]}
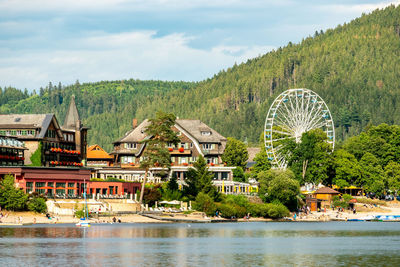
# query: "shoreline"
{"points": [[31, 218]]}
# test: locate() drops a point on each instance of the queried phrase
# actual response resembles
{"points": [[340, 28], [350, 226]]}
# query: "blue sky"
{"points": [[191, 40]]}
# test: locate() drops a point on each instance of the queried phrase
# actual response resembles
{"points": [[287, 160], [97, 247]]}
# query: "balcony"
{"points": [[179, 151]]}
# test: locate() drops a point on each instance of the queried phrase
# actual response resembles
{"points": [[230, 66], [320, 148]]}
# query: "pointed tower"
{"points": [[72, 124], [72, 117]]}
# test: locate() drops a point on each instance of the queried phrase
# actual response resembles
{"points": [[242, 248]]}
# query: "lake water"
{"points": [[221, 244]]}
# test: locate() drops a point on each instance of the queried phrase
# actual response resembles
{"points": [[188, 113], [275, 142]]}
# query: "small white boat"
{"points": [[83, 223]]}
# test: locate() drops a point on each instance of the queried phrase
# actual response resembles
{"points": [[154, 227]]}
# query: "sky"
{"points": [[175, 40]]}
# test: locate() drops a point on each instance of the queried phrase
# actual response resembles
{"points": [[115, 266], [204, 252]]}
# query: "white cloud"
{"points": [[356, 9], [127, 55], [88, 6]]}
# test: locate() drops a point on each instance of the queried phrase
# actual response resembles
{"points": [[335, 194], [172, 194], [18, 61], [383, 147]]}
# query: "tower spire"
{"points": [[72, 116]]}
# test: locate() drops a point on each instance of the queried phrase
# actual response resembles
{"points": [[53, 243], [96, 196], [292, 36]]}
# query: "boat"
{"points": [[84, 222]]}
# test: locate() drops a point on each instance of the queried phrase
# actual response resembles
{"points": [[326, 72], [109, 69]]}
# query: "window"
{"points": [[39, 187], [3, 132], [130, 145], [184, 145], [191, 145], [51, 133], [31, 132], [29, 187], [208, 146], [60, 188], [205, 133], [182, 160], [224, 175], [212, 160], [170, 145]]}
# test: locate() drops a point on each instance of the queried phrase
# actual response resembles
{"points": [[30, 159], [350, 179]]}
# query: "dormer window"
{"points": [[206, 133], [130, 145]]}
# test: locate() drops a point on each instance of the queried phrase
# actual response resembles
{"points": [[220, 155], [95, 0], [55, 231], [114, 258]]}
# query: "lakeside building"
{"points": [[56, 145], [63, 182], [61, 152], [98, 157], [196, 138], [321, 198]]}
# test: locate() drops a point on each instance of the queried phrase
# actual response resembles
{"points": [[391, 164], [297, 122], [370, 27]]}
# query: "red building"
{"points": [[113, 188], [63, 182]]}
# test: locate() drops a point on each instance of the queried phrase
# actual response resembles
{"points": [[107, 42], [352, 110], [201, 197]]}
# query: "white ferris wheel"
{"points": [[293, 113]]}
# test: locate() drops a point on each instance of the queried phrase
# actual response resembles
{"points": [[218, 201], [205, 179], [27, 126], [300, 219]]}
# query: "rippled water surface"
{"points": [[223, 244]]}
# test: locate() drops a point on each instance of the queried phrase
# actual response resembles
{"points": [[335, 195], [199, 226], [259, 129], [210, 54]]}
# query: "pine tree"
{"points": [[156, 154]]}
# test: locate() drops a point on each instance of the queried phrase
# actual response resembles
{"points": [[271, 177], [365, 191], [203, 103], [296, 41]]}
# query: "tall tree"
{"points": [[159, 134], [309, 160], [235, 153], [199, 179]]}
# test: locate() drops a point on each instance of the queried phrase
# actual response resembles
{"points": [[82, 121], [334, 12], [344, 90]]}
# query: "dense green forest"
{"points": [[353, 67]]}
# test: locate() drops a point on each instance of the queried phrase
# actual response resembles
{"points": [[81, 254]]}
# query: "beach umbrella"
{"points": [[46, 187]]}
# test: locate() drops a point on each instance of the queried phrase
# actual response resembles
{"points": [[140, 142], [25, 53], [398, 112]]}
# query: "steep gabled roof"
{"points": [[72, 116], [96, 152], [28, 121], [196, 127], [192, 127], [135, 135]]}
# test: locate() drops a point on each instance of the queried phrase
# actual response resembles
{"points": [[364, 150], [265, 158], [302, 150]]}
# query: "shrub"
{"points": [[347, 197], [79, 214], [230, 210], [12, 198], [37, 204], [258, 210], [239, 200], [151, 195], [205, 203], [276, 211]]}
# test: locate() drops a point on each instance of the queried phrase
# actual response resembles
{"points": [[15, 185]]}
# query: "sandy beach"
{"points": [[24, 218]]}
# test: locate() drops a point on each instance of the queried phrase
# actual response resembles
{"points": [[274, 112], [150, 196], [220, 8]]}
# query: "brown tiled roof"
{"points": [[135, 135], [195, 127], [23, 121], [326, 190], [253, 151]]}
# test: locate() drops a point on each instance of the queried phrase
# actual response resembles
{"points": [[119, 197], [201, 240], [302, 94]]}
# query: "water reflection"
{"points": [[253, 244]]}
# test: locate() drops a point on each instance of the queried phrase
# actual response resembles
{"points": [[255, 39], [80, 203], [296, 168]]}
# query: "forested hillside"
{"points": [[354, 68]]}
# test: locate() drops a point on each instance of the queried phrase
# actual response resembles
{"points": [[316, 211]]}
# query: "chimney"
{"points": [[134, 123]]}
